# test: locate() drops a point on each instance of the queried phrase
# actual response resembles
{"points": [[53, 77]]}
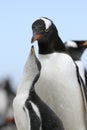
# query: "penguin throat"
{"points": [[76, 53], [51, 46]]}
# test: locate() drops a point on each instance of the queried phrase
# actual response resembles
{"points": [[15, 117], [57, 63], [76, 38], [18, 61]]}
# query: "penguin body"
{"points": [[4, 104], [35, 114], [76, 49], [6, 109], [57, 95], [58, 84]]}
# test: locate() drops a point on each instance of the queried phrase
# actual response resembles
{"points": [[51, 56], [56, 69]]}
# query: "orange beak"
{"points": [[85, 43], [35, 37]]}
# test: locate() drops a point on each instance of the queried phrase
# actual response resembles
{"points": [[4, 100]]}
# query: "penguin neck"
{"points": [[26, 80], [30, 76], [76, 53], [24, 85], [81, 51], [54, 44]]}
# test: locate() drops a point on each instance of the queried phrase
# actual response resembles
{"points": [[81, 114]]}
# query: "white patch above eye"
{"points": [[47, 22], [71, 44]]}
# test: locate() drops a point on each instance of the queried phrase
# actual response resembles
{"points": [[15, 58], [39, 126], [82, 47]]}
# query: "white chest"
{"points": [[59, 88]]}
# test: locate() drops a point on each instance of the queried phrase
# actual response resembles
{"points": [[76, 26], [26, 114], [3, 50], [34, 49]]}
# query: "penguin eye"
{"points": [[41, 31], [47, 30]]}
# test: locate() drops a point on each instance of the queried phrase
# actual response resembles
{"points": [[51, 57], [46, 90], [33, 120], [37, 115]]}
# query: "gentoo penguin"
{"points": [[30, 112], [6, 109], [76, 50], [59, 82]]}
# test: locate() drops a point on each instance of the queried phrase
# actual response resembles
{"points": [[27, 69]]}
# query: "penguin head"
{"points": [[70, 44], [45, 32], [76, 48], [43, 28], [36, 60], [76, 44]]}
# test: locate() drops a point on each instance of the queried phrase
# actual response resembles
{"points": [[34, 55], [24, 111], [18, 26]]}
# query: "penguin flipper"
{"points": [[83, 88], [35, 121]]}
